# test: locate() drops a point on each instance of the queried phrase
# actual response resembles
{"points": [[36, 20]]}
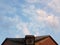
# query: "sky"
{"points": [[29, 17]]}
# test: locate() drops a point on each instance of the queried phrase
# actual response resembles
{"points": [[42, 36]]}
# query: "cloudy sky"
{"points": [[34, 17]]}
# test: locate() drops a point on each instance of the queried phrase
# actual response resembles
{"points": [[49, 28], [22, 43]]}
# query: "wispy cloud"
{"points": [[31, 1], [37, 1], [23, 27], [55, 5], [39, 15], [22, 17]]}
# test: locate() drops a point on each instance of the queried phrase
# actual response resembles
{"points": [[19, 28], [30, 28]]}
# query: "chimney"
{"points": [[29, 40]]}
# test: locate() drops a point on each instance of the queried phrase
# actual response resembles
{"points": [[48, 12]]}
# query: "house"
{"points": [[30, 40]]}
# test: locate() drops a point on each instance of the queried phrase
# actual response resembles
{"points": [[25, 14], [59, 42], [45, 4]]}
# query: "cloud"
{"points": [[37, 1], [23, 27], [39, 19], [49, 19], [17, 36], [53, 20], [15, 23], [40, 16], [55, 4], [31, 1], [10, 20], [8, 8], [14, 13]]}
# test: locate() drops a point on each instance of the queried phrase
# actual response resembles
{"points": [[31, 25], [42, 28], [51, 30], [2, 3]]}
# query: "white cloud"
{"points": [[10, 19], [17, 36], [39, 22], [31, 1], [37, 1], [6, 9], [39, 16], [55, 4], [53, 20], [16, 22], [9, 22], [23, 27]]}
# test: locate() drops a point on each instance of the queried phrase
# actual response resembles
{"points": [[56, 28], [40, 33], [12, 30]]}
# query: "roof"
{"points": [[15, 40], [39, 38], [22, 40]]}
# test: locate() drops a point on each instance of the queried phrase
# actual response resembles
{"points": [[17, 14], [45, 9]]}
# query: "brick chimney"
{"points": [[29, 40]]}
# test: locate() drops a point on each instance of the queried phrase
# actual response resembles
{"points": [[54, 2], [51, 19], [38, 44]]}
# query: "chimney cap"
{"points": [[29, 36]]}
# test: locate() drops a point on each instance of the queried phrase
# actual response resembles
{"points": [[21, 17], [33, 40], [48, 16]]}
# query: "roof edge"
{"points": [[4, 41], [53, 40]]}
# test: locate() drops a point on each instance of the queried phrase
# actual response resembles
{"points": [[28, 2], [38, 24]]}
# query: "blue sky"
{"points": [[35, 17]]}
